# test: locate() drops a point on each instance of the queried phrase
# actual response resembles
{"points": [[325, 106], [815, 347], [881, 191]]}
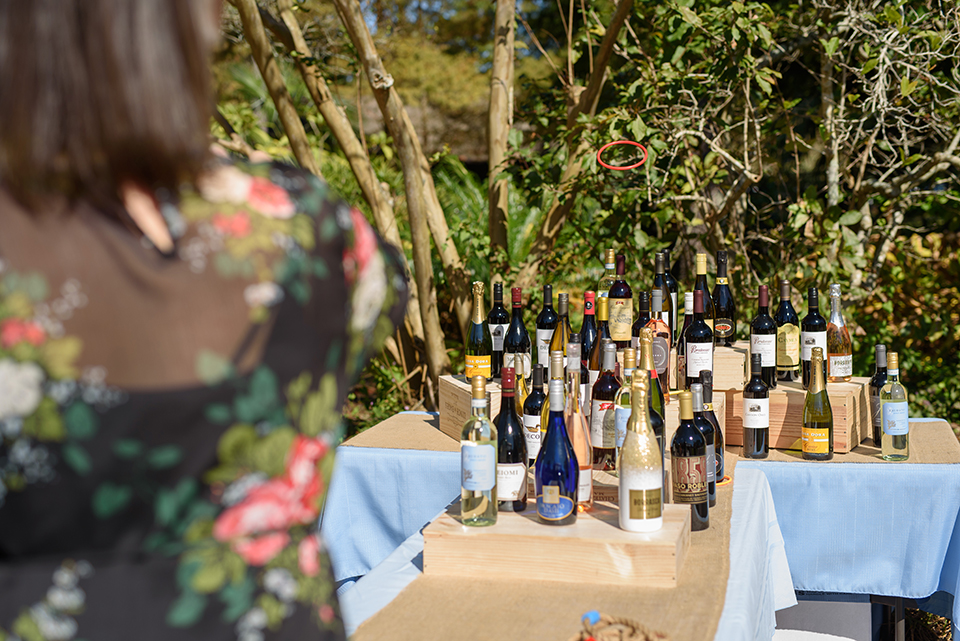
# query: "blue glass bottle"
{"points": [[557, 469]]}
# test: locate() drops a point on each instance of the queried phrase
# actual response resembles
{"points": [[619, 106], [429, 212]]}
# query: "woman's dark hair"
{"points": [[97, 92]]}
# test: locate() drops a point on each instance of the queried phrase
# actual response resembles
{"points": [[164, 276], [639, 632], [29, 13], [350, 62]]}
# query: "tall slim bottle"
{"points": [[709, 435], [666, 301], [479, 343], [557, 373], [643, 317], [511, 449], [588, 330], [603, 436], [816, 432], [546, 322], [895, 414], [839, 346], [640, 468], [674, 288], [763, 338], [478, 461], [876, 384], [603, 331], [562, 332], [622, 406], [621, 306], [557, 471], [682, 341], [658, 399], [688, 460], [532, 409], [701, 285], [788, 336], [522, 389], [813, 333], [661, 345], [516, 341], [578, 430], [497, 320], [706, 380], [725, 323], [609, 274], [699, 342], [756, 413]]}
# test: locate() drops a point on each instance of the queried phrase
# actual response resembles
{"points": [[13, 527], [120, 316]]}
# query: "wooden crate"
{"points": [[672, 418], [593, 550], [850, 403], [455, 395], [731, 367]]}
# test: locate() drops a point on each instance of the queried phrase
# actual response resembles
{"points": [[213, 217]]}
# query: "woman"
{"points": [[177, 335]]}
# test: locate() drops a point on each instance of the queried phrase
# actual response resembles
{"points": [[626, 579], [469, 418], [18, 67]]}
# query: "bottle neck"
{"points": [[836, 312], [817, 384], [763, 310], [646, 357], [478, 407], [893, 374], [478, 315], [573, 382]]}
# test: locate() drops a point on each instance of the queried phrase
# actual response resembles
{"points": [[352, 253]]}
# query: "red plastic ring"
{"points": [[621, 142]]}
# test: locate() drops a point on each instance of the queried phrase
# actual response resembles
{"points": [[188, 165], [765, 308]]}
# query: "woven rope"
{"points": [[610, 628]]}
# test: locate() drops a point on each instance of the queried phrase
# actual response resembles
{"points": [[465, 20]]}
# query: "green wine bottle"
{"points": [[479, 341], [816, 433]]}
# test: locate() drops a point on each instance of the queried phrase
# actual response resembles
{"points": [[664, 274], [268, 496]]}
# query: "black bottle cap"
{"points": [[756, 363], [706, 379], [644, 301], [813, 298], [548, 294], [498, 292], [538, 375]]}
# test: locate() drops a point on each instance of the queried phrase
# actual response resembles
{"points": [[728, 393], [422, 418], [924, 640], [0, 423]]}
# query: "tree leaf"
{"points": [[850, 218], [869, 65], [907, 86], [109, 498], [689, 16]]}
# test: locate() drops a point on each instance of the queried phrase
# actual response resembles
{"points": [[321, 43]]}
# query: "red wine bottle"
{"points": [[706, 380], [688, 454], [546, 323], [756, 413], [603, 434], [498, 320], [699, 343], [588, 329], [516, 341], [643, 317], [511, 450], [725, 321], [621, 307], [709, 435], [763, 338], [788, 336], [813, 333], [674, 288]]}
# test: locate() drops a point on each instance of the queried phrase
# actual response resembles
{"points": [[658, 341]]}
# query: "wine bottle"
{"points": [[562, 332], [661, 345], [522, 389], [578, 430], [756, 413], [816, 432], [557, 472], [839, 346], [813, 333], [698, 340], [701, 285], [532, 408], [479, 343], [640, 467], [603, 436], [643, 317], [660, 283], [546, 323], [725, 323], [706, 380], [674, 288], [895, 414], [478, 460], [709, 436], [511, 449], [622, 405], [516, 342], [788, 336], [682, 341], [497, 320], [557, 373], [688, 454], [657, 396], [588, 330], [609, 274], [876, 384], [603, 331], [621, 307], [763, 338]]}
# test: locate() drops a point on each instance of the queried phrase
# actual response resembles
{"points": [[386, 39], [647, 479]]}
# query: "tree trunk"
{"points": [[500, 121], [263, 55]]}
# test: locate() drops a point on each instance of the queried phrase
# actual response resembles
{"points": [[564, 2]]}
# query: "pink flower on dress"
{"points": [[355, 258], [263, 549], [237, 225], [269, 199], [308, 555], [14, 330], [326, 613]]}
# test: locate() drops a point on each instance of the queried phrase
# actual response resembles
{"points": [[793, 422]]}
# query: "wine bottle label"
{"points": [[531, 434], [511, 481], [699, 358], [875, 410], [840, 365], [661, 355], [896, 420], [497, 332], [681, 367], [788, 347], [510, 360], [635, 342], [603, 431], [766, 346], [593, 375], [585, 485], [809, 340], [756, 412], [645, 503], [543, 349], [620, 417], [552, 505], [689, 479], [815, 440], [711, 469], [723, 328], [621, 318], [721, 280], [478, 466], [477, 366]]}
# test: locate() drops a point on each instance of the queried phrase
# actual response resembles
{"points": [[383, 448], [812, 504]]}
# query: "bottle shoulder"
{"points": [[763, 323]]}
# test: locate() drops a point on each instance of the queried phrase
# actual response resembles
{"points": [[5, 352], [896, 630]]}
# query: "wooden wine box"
{"points": [[672, 418], [850, 403], [731, 367], [455, 395], [593, 550]]}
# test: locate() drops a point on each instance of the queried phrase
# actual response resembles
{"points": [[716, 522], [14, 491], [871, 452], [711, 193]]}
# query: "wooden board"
{"points": [[849, 402], [455, 397], [731, 367], [592, 550]]}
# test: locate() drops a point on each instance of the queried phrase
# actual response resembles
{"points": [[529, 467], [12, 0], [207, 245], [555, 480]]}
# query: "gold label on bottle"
{"points": [[788, 347], [478, 366], [645, 504], [689, 479], [721, 280], [551, 494], [815, 440], [621, 318]]}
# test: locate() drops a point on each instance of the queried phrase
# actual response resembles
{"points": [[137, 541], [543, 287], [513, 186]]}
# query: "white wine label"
{"points": [[510, 360], [478, 466], [543, 350], [809, 340], [621, 318], [635, 342], [815, 440], [689, 479], [620, 417], [584, 402], [788, 347], [554, 506], [699, 358], [645, 504], [497, 332], [756, 412], [603, 432], [875, 411], [711, 469], [593, 375], [511, 481], [585, 485], [661, 355], [840, 365], [896, 419], [766, 346], [531, 434], [477, 366]]}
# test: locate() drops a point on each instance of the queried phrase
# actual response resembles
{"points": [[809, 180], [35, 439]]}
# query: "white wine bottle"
{"points": [[816, 433], [478, 461], [640, 466], [895, 414], [623, 405]]}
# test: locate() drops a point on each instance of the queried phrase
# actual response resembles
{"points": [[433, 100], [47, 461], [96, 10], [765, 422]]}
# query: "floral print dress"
{"points": [[168, 423]]}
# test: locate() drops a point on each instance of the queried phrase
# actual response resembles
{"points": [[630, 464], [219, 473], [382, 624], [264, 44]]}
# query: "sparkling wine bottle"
{"points": [[516, 342], [706, 380], [478, 461], [725, 323], [674, 288], [546, 322], [813, 333], [876, 384], [756, 413], [532, 409], [479, 344], [709, 436], [609, 274], [788, 336], [497, 320], [640, 467], [602, 416], [657, 396], [698, 340], [557, 471], [621, 307], [511, 449], [839, 346], [763, 338], [578, 430], [701, 285], [895, 414], [688, 459], [816, 432]]}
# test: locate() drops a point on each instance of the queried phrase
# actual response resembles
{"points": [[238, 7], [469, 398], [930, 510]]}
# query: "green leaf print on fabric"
{"points": [[82, 422], [127, 449], [187, 610], [109, 499], [32, 284], [77, 458], [212, 368], [45, 424], [319, 409], [59, 354], [170, 503], [164, 457], [238, 598], [261, 400], [218, 413]]}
